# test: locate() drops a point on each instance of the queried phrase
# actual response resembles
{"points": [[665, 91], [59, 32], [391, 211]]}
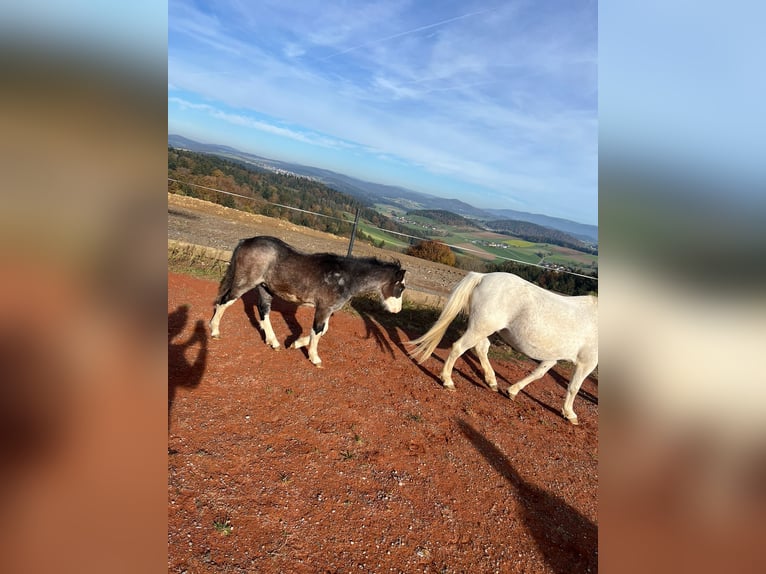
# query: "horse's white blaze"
{"points": [[393, 304]]}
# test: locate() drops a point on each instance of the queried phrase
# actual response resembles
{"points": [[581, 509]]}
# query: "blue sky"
{"points": [[491, 102]]}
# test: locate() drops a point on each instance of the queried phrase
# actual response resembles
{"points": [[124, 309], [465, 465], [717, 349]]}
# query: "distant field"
{"points": [[475, 243], [392, 241]]}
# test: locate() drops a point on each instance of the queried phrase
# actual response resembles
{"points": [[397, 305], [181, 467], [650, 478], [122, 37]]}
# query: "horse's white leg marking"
{"points": [[541, 369], [314, 341], [468, 340], [268, 331], [482, 348], [582, 370], [219, 310], [301, 342]]}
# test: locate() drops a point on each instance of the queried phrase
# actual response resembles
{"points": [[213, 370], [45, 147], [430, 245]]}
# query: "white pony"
{"points": [[544, 326]]}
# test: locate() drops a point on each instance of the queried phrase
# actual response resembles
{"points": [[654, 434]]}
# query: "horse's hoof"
{"points": [[510, 395], [217, 336], [449, 387]]}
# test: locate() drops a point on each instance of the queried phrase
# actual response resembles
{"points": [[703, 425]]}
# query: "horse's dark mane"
{"points": [[375, 262], [357, 263]]}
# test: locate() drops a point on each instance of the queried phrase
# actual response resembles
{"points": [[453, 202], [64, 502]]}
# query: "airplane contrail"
{"points": [[400, 34]]}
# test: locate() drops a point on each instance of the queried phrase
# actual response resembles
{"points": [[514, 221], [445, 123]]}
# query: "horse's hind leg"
{"points": [[469, 340], [582, 370], [482, 348], [264, 308], [541, 369], [238, 287], [220, 308]]}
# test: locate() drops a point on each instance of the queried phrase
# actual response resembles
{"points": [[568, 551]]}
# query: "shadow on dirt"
{"points": [[566, 539], [563, 381], [181, 372], [284, 308], [390, 331]]}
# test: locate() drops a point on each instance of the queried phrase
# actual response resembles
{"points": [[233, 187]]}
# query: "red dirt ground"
{"points": [[367, 464]]}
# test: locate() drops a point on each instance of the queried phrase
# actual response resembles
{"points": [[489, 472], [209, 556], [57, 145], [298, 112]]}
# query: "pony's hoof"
{"points": [[216, 336], [573, 420], [450, 387], [511, 395]]}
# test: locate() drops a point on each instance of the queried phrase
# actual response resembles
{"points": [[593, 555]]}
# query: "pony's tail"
{"points": [[224, 289], [457, 302]]}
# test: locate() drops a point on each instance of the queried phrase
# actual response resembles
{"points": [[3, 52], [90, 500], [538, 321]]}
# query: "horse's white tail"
{"points": [[457, 302]]}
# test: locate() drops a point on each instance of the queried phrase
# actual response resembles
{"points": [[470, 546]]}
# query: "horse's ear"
{"points": [[400, 274]]}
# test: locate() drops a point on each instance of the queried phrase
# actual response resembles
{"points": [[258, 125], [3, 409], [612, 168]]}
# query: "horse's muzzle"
{"points": [[393, 304]]}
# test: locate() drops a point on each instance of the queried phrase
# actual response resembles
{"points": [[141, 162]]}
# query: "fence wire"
{"points": [[465, 249]]}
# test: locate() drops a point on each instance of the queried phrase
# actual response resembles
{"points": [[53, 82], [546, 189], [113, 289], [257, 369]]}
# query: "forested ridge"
{"points": [[444, 217], [565, 283], [266, 188], [539, 234], [261, 190]]}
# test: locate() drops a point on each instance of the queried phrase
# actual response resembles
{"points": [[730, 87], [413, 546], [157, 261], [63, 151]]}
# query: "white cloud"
{"points": [[499, 96]]}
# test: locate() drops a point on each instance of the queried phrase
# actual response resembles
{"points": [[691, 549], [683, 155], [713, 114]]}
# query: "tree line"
{"points": [[564, 283], [264, 188], [444, 217], [261, 189], [540, 234]]}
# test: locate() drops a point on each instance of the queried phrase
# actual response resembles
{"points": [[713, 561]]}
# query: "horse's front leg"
{"points": [[319, 328], [582, 370], [321, 324]]}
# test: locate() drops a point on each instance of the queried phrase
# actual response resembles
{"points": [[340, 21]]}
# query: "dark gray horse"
{"points": [[325, 281]]}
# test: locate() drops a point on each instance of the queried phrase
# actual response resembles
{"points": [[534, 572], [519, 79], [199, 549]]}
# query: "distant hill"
{"points": [[580, 230], [256, 190], [445, 217], [371, 192], [540, 234]]}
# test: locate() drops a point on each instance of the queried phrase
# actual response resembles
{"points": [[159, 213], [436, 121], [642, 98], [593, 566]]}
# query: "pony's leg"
{"points": [[469, 340], [264, 307], [541, 369], [314, 341], [489, 374], [232, 287], [319, 328], [582, 370], [217, 314]]}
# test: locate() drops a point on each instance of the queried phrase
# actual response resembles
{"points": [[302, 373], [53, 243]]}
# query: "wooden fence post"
{"points": [[353, 234]]}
